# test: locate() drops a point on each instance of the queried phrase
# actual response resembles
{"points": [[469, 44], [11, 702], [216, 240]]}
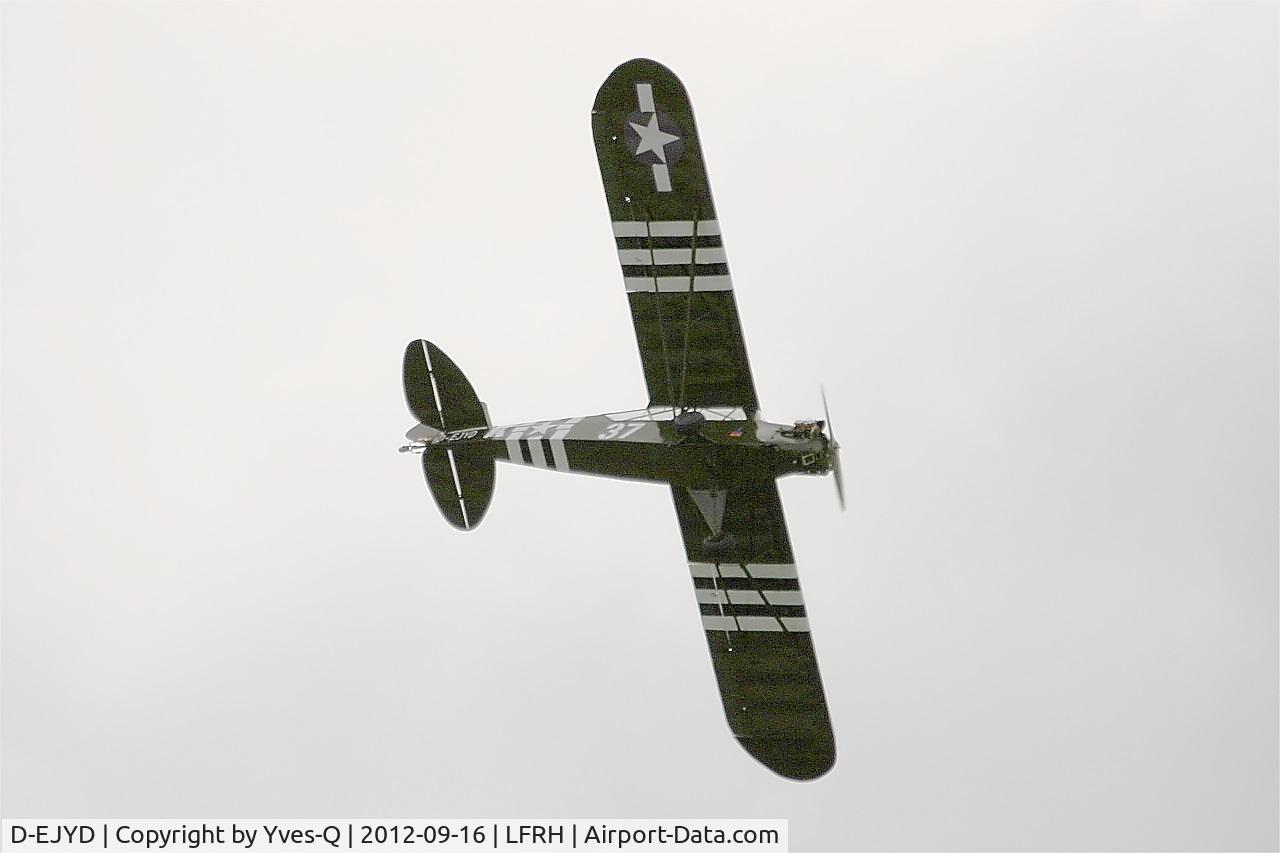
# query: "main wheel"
{"points": [[689, 423]]}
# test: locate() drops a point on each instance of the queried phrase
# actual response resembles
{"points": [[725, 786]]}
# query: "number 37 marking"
{"points": [[619, 431]]}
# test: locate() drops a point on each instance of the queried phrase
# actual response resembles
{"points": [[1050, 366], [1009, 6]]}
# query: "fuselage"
{"points": [[648, 444]]}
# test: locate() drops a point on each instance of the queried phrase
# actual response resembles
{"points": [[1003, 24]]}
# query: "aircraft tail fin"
{"points": [[441, 398]]}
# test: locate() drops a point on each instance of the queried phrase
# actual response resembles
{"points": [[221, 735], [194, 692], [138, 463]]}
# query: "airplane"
{"points": [[701, 431]]}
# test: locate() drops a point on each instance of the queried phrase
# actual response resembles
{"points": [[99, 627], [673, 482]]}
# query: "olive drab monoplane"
{"points": [[701, 432]]}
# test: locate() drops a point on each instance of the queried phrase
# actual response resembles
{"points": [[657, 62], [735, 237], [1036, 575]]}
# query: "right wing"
{"points": [[757, 629], [668, 239]]}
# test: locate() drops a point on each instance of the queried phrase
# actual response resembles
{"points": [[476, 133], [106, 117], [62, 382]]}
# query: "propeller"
{"points": [[835, 448]]}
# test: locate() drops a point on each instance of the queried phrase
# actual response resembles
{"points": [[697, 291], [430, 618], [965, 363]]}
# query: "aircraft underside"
{"points": [[701, 434]]}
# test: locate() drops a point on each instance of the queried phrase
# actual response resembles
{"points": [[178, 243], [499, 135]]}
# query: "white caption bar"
{"points": [[416, 834]]}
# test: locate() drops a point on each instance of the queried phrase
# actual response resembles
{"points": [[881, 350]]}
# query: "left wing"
{"points": [[674, 266], [757, 630]]}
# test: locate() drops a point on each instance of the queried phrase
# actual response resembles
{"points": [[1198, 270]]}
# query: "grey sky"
{"points": [[1030, 249]]}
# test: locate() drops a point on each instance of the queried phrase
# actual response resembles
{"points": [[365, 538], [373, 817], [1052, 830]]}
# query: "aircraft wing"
{"points": [[757, 629], [669, 242]]}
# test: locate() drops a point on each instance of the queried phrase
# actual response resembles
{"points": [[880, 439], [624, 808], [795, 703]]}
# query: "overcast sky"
{"points": [[1030, 249]]}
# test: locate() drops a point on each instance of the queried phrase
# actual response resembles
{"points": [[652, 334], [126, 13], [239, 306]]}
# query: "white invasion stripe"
{"points": [[644, 94], [671, 228], [796, 624], [772, 570], [632, 257], [661, 177], [537, 452], [708, 227], [673, 256], [733, 570], [710, 596], [710, 255], [675, 284], [513, 450], [744, 596], [558, 454], [678, 283], [708, 570], [630, 228], [565, 428], [758, 623], [713, 282], [785, 597]]}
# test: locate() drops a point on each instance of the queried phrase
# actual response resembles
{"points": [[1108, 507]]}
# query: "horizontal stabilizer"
{"points": [[422, 432], [461, 481], [437, 392]]}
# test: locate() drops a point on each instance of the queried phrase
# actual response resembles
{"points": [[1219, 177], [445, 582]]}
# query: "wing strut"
{"points": [[657, 309], [678, 402], [688, 319]]}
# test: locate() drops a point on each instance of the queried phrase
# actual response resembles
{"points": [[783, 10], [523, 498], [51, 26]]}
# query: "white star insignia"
{"points": [[653, 138]]}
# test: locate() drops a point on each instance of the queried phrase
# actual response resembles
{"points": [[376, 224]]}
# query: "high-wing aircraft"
{"points": [[701, 431]]}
